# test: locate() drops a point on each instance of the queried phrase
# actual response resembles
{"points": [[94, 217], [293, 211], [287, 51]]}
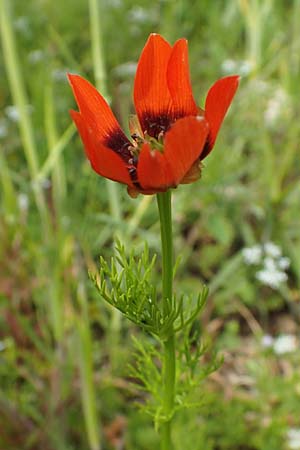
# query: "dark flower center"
{"points": [[154, 125]]}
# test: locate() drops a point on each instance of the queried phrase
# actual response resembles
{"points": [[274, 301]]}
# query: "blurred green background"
{"points": [[64, 380]]}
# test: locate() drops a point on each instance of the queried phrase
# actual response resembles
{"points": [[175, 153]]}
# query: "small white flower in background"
{"points": [[272, 249], [45, 183], [22, 24], [272, 264], [36, 56], [271, 278], [60, 74], [286, 343], [275, 106], [127, 69], [23, 202], [243, 67], [13, 112], [293, 438], [267, 341], [252, 255], [284, 262], [229, 66], [140, 15], [259, 86]]}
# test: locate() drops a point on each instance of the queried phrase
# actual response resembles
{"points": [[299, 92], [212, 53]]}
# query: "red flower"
{"points": [[171, 134]]}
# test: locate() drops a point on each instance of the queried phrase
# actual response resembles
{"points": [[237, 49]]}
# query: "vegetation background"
{"points": [[63, 352]]}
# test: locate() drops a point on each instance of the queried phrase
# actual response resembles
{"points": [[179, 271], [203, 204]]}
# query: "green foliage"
{"points": [[127, 284], [248, 194]]}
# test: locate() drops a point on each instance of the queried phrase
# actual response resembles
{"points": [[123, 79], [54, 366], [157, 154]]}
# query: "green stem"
{"points": [[97, 47], [169, 362], [96, 30], [19, 96], [101, 84], [88, 389]]}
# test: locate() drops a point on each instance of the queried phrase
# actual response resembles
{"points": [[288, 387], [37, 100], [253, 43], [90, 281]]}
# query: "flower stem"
{"points": [[169, 362], [17, 87], [96, 30]]}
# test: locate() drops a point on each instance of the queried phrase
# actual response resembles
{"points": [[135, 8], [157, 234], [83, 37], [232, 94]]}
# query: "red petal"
{"points": [[183, 145], [95, 111], [151, 93], [179, 83], [84, 134], [153, 170], [217, 103], [104, 161]]}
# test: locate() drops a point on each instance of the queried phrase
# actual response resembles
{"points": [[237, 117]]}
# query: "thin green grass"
{"points": [[57, 339]]}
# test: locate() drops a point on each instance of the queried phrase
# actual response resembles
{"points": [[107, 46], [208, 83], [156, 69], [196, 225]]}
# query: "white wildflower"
{"points": [[284, 263], [127, 69], [22, 24], [245, 68], [270, 264], [275, 106], [13, 112], [272, 249], [286, 343], [271, 278], [252, 255], [229, 66], [267, 341], [60, 74], [36, 56], [23, 202], [293, 438], [260, 86], [139, 15]]}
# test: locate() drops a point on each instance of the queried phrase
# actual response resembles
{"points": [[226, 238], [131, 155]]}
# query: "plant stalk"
{"points": [[169, 359], [96, 30], [19, 96]]}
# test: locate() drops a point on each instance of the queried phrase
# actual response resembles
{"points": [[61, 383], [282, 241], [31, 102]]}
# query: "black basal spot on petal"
{"points": [[154, 125], [118, 142]]}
